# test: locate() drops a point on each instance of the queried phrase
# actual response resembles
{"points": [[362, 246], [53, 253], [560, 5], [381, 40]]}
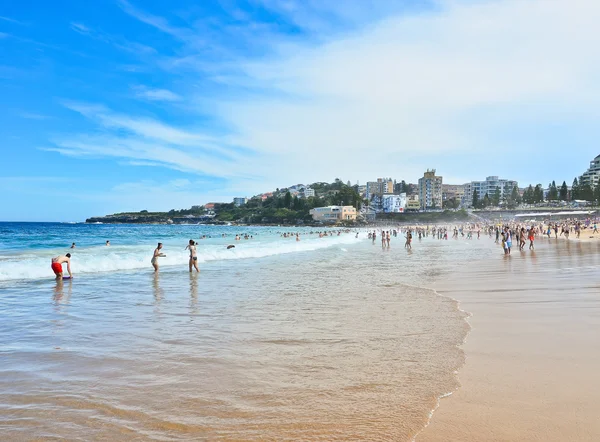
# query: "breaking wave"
{"points": [[36, 264]]}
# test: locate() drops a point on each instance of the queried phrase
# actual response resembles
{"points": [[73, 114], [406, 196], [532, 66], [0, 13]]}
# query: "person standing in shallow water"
{"points": [[157, 254], [531, 238], [57, 263], [193, 257]]}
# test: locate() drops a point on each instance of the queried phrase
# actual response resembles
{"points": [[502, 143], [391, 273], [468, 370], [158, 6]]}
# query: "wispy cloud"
{"points": [[12, 20], [155, 21], [117, 41], [149, 128], [143, 141], [155, 94], [33, 116], [364, 89], [80, 27]]}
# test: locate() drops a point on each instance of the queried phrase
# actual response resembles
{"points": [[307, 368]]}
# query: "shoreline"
{"points": [[460, 346], [529, 372]]}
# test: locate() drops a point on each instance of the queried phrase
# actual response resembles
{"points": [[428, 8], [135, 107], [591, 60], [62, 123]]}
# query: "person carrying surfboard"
{"points": [[57, 267]]}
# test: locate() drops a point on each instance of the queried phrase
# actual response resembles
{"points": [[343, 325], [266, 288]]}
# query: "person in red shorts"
{"points": [[531, 238], [57, 263]]}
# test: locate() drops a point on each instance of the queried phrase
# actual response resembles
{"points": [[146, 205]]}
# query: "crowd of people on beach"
{"points": [[503, 233]]}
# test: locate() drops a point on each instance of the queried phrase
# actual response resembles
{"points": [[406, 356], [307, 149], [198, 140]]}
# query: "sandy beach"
{"points": [[531, 357]]}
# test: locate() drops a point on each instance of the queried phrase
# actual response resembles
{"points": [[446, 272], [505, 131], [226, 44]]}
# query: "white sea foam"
{"points": [[35, 264]]}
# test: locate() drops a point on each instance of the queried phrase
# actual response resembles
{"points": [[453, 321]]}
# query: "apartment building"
{"points": [[592, 175], [488, 187], [430, 190]]}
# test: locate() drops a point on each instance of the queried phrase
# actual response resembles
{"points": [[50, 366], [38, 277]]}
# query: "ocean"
{"points": [[332, 338]]}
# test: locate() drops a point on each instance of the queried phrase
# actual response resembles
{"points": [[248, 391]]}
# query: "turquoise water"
{"points": [[329, 338], [27, 248]]}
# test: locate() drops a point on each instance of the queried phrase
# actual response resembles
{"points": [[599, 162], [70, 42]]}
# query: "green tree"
{"points": [[575, 190], [552, 192], [597, 193], [487, 202], [564, 192], [475, 202], [515, 197], [287, 200], [496, 197], [538, 194], [504, 201], [528, 196], [586, 192], [452, 203]]}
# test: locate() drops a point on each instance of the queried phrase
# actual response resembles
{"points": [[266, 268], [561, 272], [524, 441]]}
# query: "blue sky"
{"points": [[127, 105]]}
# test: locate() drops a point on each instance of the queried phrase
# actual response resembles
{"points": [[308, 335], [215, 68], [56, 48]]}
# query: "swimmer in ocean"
{"points": [[193, 258]]}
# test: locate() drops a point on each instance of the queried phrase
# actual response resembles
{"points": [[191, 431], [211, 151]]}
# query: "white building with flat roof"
{"points": [[308, 192], [488, 187], [394, 203], [333, 214]]}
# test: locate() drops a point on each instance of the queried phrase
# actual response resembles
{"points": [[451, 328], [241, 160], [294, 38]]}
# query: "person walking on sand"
{"points": [[57, 263], [157, 254], [193, 258]]}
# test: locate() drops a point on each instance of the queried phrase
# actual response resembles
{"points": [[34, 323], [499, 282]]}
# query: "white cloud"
{"points": [[143, 141], [450, 88], [155, 21], [437, 84], [118, 42], [33, 116], [80, 27], [155, 94], [12, 20]]}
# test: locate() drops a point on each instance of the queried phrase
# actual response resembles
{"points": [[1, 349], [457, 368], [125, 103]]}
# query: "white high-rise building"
{"points": [[592, 175]]}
